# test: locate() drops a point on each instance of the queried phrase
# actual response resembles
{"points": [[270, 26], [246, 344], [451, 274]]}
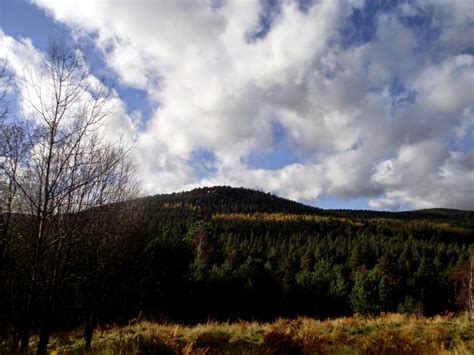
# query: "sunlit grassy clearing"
{"points": [[388, 334]]}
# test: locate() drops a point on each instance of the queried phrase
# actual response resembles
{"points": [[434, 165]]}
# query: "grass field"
{"points": [[386, 334]]}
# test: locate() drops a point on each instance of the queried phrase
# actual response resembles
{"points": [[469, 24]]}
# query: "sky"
{"points": [[337, 104]]}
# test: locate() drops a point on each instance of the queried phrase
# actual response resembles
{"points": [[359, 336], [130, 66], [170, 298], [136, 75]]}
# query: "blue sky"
{"points": [[340, 104], [22, 19]]}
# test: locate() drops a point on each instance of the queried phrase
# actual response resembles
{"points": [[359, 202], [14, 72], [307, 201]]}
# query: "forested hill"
{"points": [[206, 201], [225, 199], [232, 253], [236, 253]]}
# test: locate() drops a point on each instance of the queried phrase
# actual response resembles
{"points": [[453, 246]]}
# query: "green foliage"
{"points": [[228, 254], [368, 291], [408, 305], [251, 254]]}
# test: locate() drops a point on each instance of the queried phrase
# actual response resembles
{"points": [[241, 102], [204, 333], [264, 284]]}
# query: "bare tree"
{"points": [[65, 166], [6, 184], [5, 86], [102, 261], [470, 288], [463, 280]]}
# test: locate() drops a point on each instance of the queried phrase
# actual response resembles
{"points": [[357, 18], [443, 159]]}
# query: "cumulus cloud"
{"points": [[33, 84], [387, 116], [426, 175]]}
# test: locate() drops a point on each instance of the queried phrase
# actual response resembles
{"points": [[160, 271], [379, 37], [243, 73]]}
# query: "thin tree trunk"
{"points": [[15, 340], [43, 343], [88, 329], [6, 216], [24, 334], [471, 289]]}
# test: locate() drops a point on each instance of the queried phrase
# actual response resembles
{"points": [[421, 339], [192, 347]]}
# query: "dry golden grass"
{"points": [[386, 334]]}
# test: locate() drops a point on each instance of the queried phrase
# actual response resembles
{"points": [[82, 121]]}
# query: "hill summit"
{"points": [[225, 199]]}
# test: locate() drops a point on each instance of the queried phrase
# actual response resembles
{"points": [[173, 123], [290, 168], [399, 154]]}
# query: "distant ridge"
{"points": [[226, 199]]}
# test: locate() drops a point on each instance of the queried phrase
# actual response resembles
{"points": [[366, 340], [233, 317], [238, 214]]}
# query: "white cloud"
{"points": [[426, 175], [221, 91], [33, 84]]}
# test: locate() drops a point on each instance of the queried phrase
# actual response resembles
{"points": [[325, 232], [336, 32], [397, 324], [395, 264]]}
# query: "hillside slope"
{"points": [[224, 199], [233, 254]]}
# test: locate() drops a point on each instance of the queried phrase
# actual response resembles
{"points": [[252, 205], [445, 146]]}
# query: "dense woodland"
{"points": [[252, 255], [224, 253]]}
